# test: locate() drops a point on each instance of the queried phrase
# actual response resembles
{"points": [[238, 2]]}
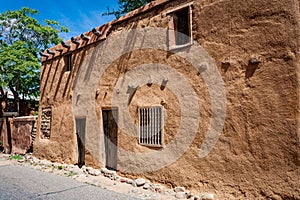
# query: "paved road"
{"points": [[17, 182]]}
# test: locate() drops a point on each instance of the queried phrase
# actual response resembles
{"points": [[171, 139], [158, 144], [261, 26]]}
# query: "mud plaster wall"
{"points": [[151, 95], [260, 143], [257, 155], [56, 93], [21, 134]]}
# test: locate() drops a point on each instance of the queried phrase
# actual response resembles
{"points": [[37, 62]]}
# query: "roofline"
{"points": [[140, 10], [59, 49]]}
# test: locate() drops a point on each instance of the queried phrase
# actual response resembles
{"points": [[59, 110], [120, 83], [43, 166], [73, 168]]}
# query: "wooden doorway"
{"points": [[80, 132], [110, 137]]}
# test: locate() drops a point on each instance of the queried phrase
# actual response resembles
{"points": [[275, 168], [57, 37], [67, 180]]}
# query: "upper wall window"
{"points": [[68, 62], [180, 27]]}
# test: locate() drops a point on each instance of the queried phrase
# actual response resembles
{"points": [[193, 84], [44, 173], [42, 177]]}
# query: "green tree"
{"points": [[126, 6], [21, 37]]}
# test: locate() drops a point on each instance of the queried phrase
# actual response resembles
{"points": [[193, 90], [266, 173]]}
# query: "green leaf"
{"points": [[126, 6], [21, 37]]}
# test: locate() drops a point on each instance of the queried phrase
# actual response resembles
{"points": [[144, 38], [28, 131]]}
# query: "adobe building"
{"points": [[202, 94]]}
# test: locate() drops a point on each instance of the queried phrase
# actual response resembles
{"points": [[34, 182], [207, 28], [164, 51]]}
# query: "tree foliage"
{"points": [[126, 6], [21, 37]]}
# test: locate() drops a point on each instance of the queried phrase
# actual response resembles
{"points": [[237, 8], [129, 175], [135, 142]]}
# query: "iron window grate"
{"points": [[150, 126]]}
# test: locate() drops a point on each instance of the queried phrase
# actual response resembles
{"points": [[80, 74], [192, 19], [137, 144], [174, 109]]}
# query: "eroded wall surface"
{"points": [[22, 134], [257, 153]]}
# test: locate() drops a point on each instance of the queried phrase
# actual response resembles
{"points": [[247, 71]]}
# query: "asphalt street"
{"points": [[17, 182]]}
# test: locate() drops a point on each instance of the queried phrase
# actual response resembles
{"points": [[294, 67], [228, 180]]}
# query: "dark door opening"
{"points": [[110, 137], [80, 132]]}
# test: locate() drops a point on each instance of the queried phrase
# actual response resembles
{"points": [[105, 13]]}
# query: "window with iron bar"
{"points": [[151, 126]]}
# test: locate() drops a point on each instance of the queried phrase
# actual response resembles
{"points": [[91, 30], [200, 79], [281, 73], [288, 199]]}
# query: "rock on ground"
{"points": [[140, 182]]}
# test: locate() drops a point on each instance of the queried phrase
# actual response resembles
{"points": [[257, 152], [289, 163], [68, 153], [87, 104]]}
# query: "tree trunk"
{"points": [[2, 101], [16, 98], [3, 93]]}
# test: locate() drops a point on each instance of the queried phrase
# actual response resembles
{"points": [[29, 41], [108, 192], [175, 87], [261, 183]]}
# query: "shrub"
{"points": [[16, 157]]}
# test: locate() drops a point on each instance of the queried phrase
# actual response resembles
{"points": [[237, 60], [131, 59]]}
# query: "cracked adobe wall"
{"points": [[257, 154]]}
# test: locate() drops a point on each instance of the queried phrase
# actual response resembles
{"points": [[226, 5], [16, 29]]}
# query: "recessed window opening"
{"points": [[181, 23], [46, 119], [151, 126], [179, 30], [68, 62]]}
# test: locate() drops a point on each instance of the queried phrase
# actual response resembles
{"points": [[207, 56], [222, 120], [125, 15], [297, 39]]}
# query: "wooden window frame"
{"points": [[172, 32]]}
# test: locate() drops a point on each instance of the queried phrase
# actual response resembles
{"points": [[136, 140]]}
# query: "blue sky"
{"points": [[78, 15]]}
